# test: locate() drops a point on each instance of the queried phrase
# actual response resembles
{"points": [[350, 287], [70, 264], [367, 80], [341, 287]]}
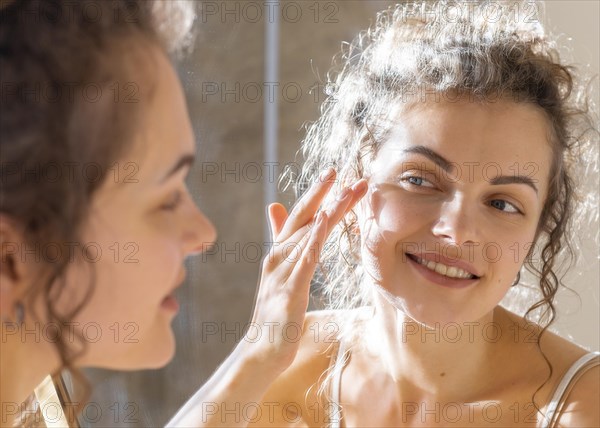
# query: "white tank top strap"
{"points": [[561, 392], [335, 417]]}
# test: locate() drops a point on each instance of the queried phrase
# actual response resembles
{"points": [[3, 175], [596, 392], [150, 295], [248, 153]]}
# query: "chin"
{"points": [[160, 354], [165, 358], [439, 317]]}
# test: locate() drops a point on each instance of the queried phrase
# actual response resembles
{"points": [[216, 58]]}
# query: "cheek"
{"points": [[509, 251], [388, 215], [128, 292], [158, 261], [134, 270], [385, 219]]}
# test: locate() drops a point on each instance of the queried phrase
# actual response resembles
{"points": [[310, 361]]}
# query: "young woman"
{"points": [[472, 134], [95, 217]]}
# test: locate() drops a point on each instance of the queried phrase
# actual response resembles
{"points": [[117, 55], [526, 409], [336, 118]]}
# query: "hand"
{"points": [[280, 307], [282, 300]]}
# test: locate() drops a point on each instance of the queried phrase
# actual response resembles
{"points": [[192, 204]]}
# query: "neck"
{"points": [[433, 362], [26, 359]]}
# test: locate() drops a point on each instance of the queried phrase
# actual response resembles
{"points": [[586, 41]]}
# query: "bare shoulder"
{"points": [[295, 398], [319, 341], [560, 352], [581, 408]]}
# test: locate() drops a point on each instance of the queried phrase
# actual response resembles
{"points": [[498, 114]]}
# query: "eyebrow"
{"points": [[446, 165], [186, 160]]}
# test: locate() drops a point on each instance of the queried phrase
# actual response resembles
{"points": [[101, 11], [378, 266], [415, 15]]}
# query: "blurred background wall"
{"points": [[226, 89]]}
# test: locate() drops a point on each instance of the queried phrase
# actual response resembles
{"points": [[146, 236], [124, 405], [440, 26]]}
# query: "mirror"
{"points": [[226, 88]]}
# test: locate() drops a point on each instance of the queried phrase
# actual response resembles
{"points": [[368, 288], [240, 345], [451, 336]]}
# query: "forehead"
{"points": [[165, 132], [504, 132], [162, 134]]}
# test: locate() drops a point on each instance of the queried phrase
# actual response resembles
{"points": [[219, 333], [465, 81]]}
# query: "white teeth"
{"points": [[450, 271], [441, 269]]}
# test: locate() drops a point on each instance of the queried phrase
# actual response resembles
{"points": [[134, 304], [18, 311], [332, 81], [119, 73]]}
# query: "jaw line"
{"points": [[398, 304]]}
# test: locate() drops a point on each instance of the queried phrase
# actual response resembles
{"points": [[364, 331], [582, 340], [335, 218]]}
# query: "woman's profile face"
{"points": [[142, 227], [457, 183]]}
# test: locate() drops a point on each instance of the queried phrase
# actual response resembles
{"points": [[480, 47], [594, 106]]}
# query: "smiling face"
{"points": [[459, 183], [143, 225]]}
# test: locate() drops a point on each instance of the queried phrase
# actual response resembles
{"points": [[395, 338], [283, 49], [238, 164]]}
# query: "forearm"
{"points": [[231, 396]]}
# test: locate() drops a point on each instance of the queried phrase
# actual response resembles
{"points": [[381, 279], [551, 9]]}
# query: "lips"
{"points": [[423, 258], [465, 282], [170, 303]]}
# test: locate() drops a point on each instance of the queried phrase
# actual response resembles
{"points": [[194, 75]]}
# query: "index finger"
{"points": [[307, 206]]}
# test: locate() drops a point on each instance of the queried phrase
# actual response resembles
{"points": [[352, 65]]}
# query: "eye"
{"points": [[417, 181], [174, 202], [502, 205]]}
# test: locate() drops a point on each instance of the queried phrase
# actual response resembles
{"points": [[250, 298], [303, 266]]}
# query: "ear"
{"points": [[12, 267]]}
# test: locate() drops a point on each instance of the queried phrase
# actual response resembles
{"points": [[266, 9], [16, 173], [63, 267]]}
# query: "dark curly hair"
{"points": [[496, 50], [51, 53]]}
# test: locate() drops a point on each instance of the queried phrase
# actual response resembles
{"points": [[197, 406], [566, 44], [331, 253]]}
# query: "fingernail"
{"points": [[360, 187], [344, 194], [327, 174]]}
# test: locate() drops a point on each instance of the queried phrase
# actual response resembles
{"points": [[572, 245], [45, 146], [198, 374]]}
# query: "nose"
{"points": [[457, 223], [200, 233]]}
